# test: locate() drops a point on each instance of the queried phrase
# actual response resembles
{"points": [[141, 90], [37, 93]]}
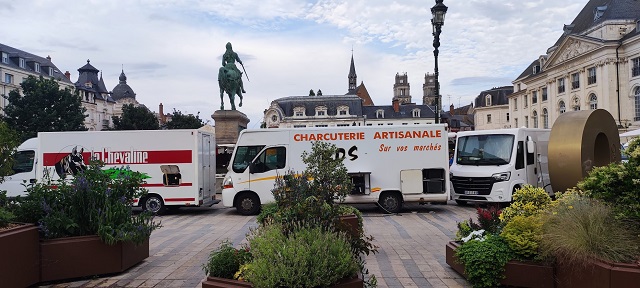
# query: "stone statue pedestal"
{"points": [[228, 125]]}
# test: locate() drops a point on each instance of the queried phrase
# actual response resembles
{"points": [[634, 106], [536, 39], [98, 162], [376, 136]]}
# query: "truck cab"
{"points": [[489, 165], [24, 169]]}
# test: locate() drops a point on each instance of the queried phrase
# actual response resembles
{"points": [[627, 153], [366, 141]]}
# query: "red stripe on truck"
{"points": [[125, 157]]}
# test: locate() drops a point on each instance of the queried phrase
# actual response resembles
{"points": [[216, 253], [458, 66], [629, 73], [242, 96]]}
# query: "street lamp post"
{"points": [[438, 11]]}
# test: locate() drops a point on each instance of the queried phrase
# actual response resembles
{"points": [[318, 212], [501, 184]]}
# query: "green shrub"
{"points": [[579, 228], [225, 261], [464, 229], [523, 234], [267, 213], [307, 257], [93, 202], [618, 184], [527, 201], [484, 260], [5, 214]]}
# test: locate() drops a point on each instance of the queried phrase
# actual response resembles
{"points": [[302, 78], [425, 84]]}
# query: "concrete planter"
{"points": [[75, 257], [20, 265], [517, 273]]}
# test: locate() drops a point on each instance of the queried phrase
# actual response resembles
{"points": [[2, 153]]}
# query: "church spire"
{"points": [[353, 78]]}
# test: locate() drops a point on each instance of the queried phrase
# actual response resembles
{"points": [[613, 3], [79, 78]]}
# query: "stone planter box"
{"points": [[598, 273], [215, 282], [75, 257], [20, 250], [517, 273]]}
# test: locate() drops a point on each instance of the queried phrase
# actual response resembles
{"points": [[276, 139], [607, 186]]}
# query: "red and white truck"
{"points": [[179, 164]]}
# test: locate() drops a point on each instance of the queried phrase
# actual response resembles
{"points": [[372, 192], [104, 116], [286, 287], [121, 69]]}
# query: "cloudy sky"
{"points": [[171, 49]]}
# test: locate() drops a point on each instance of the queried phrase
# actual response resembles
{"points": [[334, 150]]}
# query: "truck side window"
{"points": [[530, 158], [270, 159], [23, 161], [520, 156]]}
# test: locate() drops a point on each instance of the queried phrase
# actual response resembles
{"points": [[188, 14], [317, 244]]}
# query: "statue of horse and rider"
{"points": [[230, 78]]}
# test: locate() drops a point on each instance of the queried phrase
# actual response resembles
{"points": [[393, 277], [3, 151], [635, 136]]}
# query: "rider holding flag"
{"points": [[228, 61]]}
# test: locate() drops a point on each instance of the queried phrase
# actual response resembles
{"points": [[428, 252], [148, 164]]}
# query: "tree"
{"points": [[182, 121], [43, 108], [135, 118], [9, 140], [311, 93]]}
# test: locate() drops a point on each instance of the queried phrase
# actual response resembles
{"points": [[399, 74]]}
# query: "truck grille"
{"points": [[481, 184]]}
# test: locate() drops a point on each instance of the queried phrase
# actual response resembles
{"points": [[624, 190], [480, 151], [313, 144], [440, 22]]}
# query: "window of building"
{"points": [[526, 121], [380, 124], [343, 110], [515, 121], [299, 114], [322, 125], [561, 107], [299, 126], [575, 80], [593, 101], [274, 118], [488, 100], [526, 101], [21, 62], [8, 78], [507, 116], [545, 118], [534, 118], [380, 114], [576, 104], [544, 94], [405, 123], [298, 111], [637, 98], [515, 104], [561, 85], [534, 97], [5, 58], [50, 71], [343, 125], [488, 118], [321, 111], [591, 79], [36, 66], [416, 113], [635, 68]]}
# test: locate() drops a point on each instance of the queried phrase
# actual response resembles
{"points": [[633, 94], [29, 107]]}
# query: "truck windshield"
{"points": [[484, 149], [244, 155], [23, 161]]}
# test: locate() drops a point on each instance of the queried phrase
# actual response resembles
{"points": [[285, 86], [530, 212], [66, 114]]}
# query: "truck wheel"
{"points": [[461, 203], [248, 204], [154, 204], [390, 202]]}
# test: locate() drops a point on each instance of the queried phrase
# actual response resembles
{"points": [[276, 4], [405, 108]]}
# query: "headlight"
{"points": [[499, 177], [227, 182]]}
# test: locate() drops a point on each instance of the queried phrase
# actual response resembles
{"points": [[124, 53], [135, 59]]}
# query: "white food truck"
{"points": [[489, 165], [388, 165], [179, 164]]}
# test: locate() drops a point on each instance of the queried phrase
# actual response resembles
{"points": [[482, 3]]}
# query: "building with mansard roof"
{"points": [[595, 64], [355, 108], [492, 108], [16, 65], [102, 104]]}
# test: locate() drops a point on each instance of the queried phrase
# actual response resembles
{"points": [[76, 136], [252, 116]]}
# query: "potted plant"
{"points": [[86, 218], [301, 240]]}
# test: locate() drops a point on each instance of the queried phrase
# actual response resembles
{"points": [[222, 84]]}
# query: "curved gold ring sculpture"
{"points": [[579, 141]]}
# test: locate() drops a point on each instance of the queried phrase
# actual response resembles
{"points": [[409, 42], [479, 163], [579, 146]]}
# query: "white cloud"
{"points": [[170, 50]]}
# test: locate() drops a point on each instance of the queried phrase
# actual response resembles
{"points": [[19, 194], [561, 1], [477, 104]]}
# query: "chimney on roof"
{"points": [[161, 112], [451, 109], [48, 57], [396, 105], [68, 75]]}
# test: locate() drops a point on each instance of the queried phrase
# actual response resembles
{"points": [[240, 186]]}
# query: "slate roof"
{"points": [[332, 102], [404, 112], [498, 96], [14, 54], [122, 90], [89, 74]]}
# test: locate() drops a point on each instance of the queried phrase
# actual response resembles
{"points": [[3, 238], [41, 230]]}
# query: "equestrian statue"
{"points": [[230, 78]]}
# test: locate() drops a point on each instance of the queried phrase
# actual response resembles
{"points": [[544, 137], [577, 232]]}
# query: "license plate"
{"points": [[471, 192]]}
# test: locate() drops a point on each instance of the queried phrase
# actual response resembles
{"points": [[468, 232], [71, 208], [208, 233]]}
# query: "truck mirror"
{"points": [[530, 147]]}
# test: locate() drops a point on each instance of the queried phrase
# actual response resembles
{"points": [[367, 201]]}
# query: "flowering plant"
{"points": [[93, 202]]}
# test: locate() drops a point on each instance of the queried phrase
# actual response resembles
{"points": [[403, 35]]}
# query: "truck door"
{"points": [[23, 173], [264, 169], [208, 175], [531, 168]]}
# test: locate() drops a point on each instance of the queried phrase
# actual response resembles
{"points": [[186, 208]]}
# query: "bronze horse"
{"points": [[229, 82]]}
